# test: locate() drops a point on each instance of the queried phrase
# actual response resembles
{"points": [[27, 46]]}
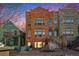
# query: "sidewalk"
{"points": [[67, 52]]}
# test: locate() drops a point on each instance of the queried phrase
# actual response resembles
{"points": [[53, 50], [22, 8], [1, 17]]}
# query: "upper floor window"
{"points": [[39, 32], [29, 34], [69, 13], [68, 20], [50, 22], [39, 21], [78, 21], [55, 20], [68, 31]]}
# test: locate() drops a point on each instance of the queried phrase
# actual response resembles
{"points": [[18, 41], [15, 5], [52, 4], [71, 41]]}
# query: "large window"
{"points": [[29, 43], [68, 20], [39, 21], [39, 44], [39, 32], [68, 31], [69, 13]]}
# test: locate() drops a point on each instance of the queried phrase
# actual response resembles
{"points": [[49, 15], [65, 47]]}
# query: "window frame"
{"points": [[39, 21], [39, 32]]}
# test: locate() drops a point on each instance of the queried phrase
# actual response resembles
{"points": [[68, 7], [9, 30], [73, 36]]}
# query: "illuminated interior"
{"points": [[29, 43], [39, 44]]}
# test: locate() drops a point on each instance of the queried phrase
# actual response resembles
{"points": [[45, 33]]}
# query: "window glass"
{"points": [[39, 32], [78, 20], [68, 31], [68, 20], [55, 20], [39, 21], [50, 22], [38, 44], [50, 32]]}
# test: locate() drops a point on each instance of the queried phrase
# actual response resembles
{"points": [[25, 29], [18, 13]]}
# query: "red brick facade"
{"points": [[31, 16]]}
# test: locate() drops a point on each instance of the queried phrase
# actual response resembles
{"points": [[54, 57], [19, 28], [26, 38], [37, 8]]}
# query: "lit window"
{"points": [[29, 43], [43, 43], [39, 44], [35, 44]]}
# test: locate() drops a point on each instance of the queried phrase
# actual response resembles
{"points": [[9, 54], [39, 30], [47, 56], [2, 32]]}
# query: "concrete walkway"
{"points": [[67, 52]]}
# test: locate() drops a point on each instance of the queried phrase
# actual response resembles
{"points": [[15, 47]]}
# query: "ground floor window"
{"points": [[55, 32], [39, 44], [10, 42], [29, 44]]}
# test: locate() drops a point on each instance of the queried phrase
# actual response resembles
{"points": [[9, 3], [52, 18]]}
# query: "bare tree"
{"points": [[9, 13]]}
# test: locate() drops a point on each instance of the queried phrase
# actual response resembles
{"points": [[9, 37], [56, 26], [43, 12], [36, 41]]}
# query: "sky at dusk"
{"points": [[16, 12]]}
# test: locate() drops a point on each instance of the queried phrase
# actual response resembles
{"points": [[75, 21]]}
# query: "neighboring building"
{"points": [[1, 23], [39, 26], [10, 34], [1, 33], [22, 37], [68, 23], [56, 23], [42, 24], [78, 22]]}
